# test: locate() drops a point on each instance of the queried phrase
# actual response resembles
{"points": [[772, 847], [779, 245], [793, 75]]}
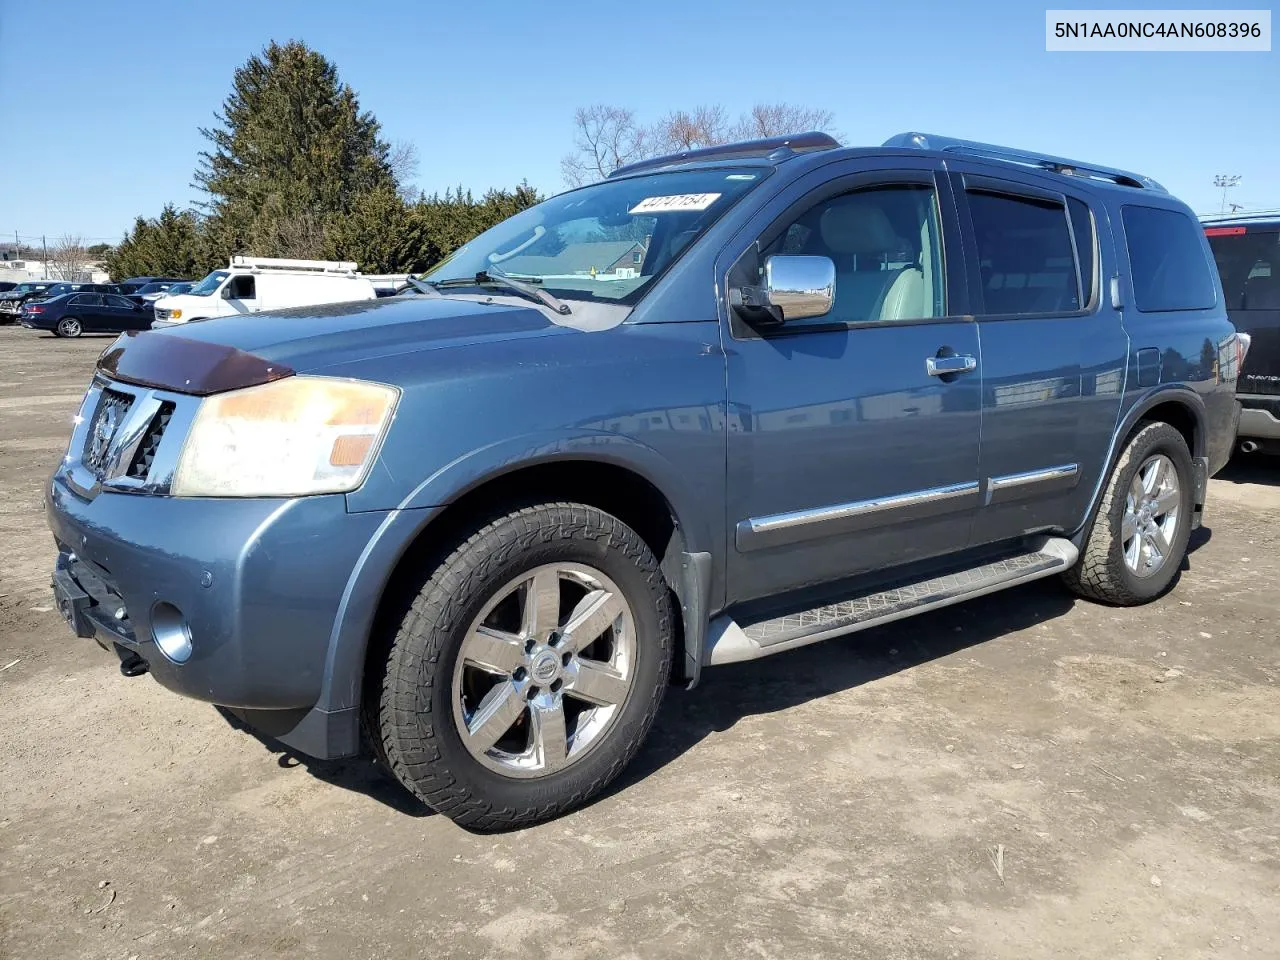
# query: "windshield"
{"points": [[151, 288], [605, 242], [209, 284], [28, 287], [58, 289]]}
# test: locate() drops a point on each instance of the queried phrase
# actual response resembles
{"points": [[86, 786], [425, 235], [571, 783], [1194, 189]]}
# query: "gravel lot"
{"points": [[1021, 776]]}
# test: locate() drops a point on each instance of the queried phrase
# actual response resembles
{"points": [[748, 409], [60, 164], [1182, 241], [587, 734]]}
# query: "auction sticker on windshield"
{"points": [[676, 202]]}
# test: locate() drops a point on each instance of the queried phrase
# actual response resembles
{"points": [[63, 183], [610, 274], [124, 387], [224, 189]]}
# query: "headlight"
{"points": [[172, 314], [296, 436]]}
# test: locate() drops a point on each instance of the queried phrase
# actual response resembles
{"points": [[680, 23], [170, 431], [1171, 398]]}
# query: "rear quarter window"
{"points": [[1167, 260]]}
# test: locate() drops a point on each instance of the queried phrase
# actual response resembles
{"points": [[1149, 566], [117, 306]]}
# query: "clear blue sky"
{"points": [[102, 101]]}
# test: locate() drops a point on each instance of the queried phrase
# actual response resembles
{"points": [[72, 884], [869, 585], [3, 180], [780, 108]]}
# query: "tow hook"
{"points": [[131, 665]]}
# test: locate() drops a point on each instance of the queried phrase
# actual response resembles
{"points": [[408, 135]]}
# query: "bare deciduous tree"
{"points": [[777, 119], [608, 138], [403, 161], [704, 126], [67, 257]]}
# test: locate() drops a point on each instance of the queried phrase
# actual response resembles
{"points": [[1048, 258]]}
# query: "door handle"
{"points": [[939, 366]]}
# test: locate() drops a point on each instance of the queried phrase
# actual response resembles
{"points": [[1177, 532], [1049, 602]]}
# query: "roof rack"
{"points": [[772, 148], [1042, 161], [280, 263]]}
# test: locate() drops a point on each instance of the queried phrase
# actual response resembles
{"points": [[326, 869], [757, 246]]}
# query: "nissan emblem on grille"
{"points": [[111, 412]]}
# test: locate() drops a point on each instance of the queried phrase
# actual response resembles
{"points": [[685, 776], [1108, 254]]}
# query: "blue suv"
{"points": [[723, 404]]}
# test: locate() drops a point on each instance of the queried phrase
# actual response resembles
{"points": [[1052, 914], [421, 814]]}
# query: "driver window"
{"points": [[885, 245], [241, 288]]}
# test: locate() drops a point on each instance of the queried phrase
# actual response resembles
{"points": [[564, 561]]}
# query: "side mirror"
{"points": [[795, 288]]}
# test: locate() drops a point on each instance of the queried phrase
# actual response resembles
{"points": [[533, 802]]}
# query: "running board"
{"points": [[728, 642]]}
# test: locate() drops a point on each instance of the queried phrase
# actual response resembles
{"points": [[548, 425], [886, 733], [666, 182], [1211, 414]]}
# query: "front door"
{"points": [[123, 314], [851, 447]]}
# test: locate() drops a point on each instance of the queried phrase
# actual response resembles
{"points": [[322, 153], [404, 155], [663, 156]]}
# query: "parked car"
{"points": [[1247, 251], [154, 291], [12, 301], [253, 284], [67, 286], [810, 391], [7, 285], [133, 284], [72, 314]]}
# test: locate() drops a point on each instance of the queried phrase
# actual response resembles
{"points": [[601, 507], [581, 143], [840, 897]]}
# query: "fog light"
{"points": [[170, 631]]}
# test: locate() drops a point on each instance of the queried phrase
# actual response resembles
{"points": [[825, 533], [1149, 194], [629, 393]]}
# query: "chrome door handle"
{"points": [[937, 366]]}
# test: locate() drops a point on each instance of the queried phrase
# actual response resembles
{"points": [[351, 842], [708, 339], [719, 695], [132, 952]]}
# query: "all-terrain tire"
{"points": [[416, 719], [1101, 573]]}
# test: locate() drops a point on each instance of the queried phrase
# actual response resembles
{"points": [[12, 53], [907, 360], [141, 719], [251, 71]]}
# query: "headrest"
{"points": [[858, 225]]}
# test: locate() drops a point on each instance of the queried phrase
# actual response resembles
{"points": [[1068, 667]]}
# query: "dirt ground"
{"points": [[1021, 776]]}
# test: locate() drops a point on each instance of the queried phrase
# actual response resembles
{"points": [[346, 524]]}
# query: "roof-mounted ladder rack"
{"points": [[774, 148], [1041, 161]]}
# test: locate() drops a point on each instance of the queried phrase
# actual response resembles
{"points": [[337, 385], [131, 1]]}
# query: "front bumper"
{"points": [[263, 586]]}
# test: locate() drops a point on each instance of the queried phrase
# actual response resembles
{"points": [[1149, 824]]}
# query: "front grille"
{"points": [[140, 468], [112, 408], [162, 313]]}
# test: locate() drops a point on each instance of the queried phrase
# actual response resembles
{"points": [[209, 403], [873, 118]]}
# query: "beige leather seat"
{"points": [[859, 237]]}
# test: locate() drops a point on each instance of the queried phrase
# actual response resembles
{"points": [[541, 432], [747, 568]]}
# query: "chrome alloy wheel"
{"points": [[1151, 515], [544, 670]]}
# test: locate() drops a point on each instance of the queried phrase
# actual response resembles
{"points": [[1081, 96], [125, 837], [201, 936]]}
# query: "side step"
{"points": [[729, 642]]}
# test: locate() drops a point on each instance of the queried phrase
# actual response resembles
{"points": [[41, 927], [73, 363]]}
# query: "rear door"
{"points": [[1053, 348], [88, 308]]}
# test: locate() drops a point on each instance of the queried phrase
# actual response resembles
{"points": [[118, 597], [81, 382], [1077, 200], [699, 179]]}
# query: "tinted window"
{"points": [[241, 288], [87, 300], [1249, 264], [1167, 261], [1025, 256], [121, 302], [886, 249]]}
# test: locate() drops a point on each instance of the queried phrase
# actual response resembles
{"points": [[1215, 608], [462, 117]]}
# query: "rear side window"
{"points": [[1249, 264], [1025, 255], [1166, 260]]}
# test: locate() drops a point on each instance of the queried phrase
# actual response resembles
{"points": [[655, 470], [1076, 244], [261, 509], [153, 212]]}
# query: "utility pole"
{"points": [[1226, 182], [45, 245]]}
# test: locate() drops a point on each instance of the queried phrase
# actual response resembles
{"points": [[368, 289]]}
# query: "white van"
{"points": [[254, 284]]}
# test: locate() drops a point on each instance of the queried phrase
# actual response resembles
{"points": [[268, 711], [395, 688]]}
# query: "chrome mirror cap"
{"points": [[800, 286]]}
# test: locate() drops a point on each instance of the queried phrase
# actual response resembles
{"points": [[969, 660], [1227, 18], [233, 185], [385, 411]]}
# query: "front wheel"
{"points": [[68, 327], [1136, 543], [529, 668]]}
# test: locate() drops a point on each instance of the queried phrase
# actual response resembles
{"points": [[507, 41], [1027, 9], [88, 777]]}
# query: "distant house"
{"points": [[616, 258]]}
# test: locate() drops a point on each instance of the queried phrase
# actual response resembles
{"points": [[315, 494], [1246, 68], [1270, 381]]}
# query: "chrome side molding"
{"points": [[1012, 486], [795, 525]]}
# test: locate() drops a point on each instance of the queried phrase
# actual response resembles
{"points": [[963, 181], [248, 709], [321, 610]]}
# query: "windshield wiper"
{"points": [[423, 286], [526, 287]]}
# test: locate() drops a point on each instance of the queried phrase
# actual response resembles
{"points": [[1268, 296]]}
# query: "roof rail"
{"points": [[774, 148], [1042, 161], [1231, 217]]}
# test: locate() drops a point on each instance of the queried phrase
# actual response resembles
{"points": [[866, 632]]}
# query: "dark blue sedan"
{"points": [[72, 314]]}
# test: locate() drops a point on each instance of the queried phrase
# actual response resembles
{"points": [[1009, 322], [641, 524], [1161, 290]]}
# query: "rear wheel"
{"points": [[529, 668], [68, 327], [1136, 543]]}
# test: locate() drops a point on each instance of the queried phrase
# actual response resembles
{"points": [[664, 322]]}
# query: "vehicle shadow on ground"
{"points": [[729, 693], [360, 774], [1251, 468]]}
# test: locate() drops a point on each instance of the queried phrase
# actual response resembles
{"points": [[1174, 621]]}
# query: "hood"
{"points": [[309, 338]]}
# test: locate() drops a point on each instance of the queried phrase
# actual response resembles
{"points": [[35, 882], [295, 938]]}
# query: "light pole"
{"points": [[1226, 182]]}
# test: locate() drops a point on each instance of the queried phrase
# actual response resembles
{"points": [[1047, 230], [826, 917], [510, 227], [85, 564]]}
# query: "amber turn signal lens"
{"points": [[350, 450]]}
